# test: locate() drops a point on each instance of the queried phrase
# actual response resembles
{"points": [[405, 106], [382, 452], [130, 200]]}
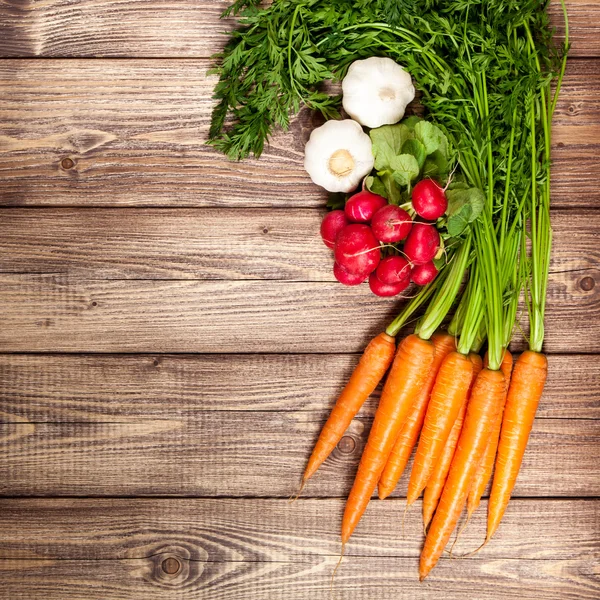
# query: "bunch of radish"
{"points": [[369, 225]]}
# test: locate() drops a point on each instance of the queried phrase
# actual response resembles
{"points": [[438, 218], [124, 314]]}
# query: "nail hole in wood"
{"points": [[265, 230], [347, 445], [94, 303], [587, 284], [571, 109], [67, 163], [171, 566], [156, 362]]}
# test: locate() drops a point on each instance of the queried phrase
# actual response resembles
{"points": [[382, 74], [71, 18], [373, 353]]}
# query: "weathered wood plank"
{"points": [[59, 313], [359, 578], [245, 454], [210, 243], [147, 28], [132, 388], [135, 131], [267, 530]]}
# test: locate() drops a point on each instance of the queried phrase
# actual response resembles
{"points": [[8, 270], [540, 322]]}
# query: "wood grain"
{"points": [[133, 388], [135, 132], [270, 530], [245, 454], [148, 28], [221, 244], [59, 313], [361, 578]]}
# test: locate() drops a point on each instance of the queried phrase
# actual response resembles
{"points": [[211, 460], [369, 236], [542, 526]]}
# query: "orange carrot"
{"points": [[484, 471], [526, 386], [448, 395], [482, 409], [444, 344], [433, 491], [371, 368], [406, 378]]}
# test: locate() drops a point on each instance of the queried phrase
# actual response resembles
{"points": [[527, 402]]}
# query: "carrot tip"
{"points": [[295, 496]]}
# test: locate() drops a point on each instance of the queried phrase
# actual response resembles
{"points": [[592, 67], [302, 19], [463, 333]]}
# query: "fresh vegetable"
{"points": [[347, 278], [376, 91], [361, 207], [424, 274], [422, 243], [338, 155], [380, 288], [407, 376], [435, 485], [332, 223], [526, 387], [429, 200], [403, 447], [484, 471], [393, 270], [447, 397], [482, 408], [371, 368], [391, 224], [357, 250]]}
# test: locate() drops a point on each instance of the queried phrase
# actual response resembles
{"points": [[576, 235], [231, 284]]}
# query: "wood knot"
{"points": [[587, 284], [156, 362], [171, 566], [67, 163], [347, 445]]}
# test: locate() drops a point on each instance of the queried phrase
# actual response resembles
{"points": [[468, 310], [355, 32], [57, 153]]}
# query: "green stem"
{"points": [[446, 294]]}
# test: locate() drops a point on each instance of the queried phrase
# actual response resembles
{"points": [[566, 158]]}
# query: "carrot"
{"points": [[448, 395], [444, 344], [433, 491], [526, 386], [484, 471], [373, 364], [406, 378], [482, 408]]}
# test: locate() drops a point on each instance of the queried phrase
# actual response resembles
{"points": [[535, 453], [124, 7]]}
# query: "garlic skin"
{"points": [[338, 155], [376, 91]]}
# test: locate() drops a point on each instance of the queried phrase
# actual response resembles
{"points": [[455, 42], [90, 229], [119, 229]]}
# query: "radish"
{"points": [[424, 274], [346, 277], [362, 206], [429, 200], [393, 270], [386, 289], [331, 225], [357, 250], [391, 224], [422, 243]]}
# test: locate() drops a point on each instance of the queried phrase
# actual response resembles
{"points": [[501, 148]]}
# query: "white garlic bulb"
{"points": [[376, 91], [338, 155]]}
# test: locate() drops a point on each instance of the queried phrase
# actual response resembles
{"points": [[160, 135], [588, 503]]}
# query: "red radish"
{"points": [[357, 250], [391, 224], [331, 225], [424, 274], [429, 200], [422, 243], [386, 289], [362, 206], [346, 277], [393, 270]]}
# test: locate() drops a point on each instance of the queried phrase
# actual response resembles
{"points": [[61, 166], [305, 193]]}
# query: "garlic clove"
{"points": [[338, 155], [376, 91]]}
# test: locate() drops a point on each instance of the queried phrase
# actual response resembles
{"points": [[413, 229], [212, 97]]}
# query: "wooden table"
{"points": [[172, 339]]}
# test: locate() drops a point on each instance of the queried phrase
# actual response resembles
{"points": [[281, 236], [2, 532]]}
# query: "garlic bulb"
{"points": [[376, 91], [338, 155]]}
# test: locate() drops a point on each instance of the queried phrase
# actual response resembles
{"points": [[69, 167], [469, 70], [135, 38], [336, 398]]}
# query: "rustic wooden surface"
{"points": [[171, 339]]}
